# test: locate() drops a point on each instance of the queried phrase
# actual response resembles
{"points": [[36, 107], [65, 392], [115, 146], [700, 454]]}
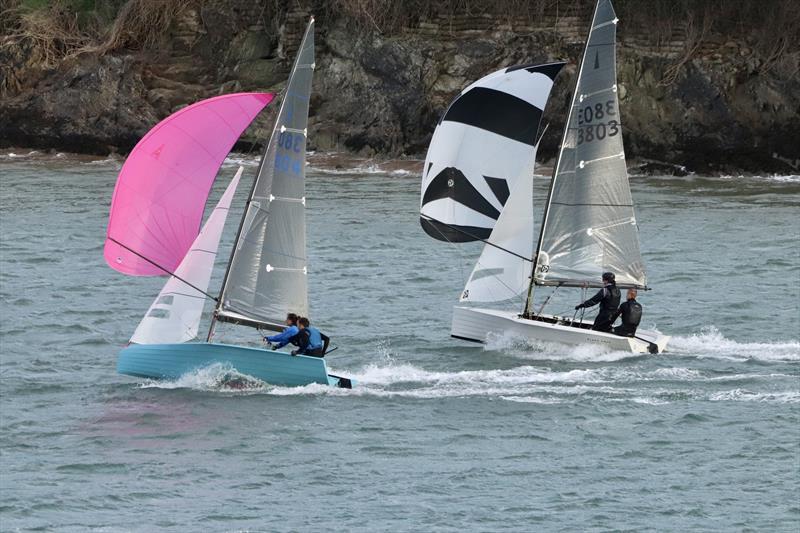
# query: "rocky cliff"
{"points": [[697, 91]]}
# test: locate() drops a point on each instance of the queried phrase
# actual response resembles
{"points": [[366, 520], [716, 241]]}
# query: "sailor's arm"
{"points": [[325, 342], [282, 338], [594, 300]]}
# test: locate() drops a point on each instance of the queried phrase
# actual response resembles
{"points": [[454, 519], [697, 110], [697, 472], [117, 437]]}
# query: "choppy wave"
{"points": [[711, 343], [216, 377]]}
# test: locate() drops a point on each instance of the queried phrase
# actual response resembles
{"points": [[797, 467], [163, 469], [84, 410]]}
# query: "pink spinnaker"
{"points": [[163, 186]]}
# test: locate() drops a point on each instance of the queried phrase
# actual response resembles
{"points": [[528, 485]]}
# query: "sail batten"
{"points": [[589, 224], [267, 273]]}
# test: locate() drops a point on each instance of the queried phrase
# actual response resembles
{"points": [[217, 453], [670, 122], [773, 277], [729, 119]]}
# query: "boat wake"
{"points": [[539, 379], [709, 343], [543, 385], [522, 384]]}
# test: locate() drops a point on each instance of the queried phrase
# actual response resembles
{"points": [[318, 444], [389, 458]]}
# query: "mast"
{"points": [[277, 192], [531, 288]]}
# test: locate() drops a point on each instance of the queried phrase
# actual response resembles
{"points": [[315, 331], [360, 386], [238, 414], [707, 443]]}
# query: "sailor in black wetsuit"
{"points": [[608, 298], [631, 312]]}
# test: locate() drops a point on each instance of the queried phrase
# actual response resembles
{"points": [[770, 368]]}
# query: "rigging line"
{"points": [[475, 237], [164, 269], [460, 255]]}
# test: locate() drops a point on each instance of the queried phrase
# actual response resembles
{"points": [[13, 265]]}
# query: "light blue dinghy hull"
{"points": [[171, 361]]}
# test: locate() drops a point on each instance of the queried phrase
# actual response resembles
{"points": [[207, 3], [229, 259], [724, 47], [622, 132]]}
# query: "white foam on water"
{"points": [[111, 161], [523, 384], [214, 377], [711, 343], [777, 178], [14, 155], [531, 399], [525, 348], [239, 159], [744, 395]]}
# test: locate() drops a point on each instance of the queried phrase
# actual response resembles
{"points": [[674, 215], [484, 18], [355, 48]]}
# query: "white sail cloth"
{"points": [[499, 275], [482, 145], [267, 276], [174, 316], [590, 225]]}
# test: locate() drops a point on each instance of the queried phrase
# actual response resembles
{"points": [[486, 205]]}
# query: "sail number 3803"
{"points": [[593, 123]]}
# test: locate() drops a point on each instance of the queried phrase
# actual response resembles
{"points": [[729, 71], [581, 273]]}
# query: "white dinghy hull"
{"points": [[475, 324]]}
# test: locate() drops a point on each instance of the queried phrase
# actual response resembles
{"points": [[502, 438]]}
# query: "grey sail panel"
{"points": [[267, 275], [590, 224]]}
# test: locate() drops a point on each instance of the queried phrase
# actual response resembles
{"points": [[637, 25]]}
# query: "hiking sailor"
{"points": [[608, 297], [631, 312], [287, 335], [310, 340]]}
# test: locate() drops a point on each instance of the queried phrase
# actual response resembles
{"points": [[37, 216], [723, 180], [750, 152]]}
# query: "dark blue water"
{"points": [[440, 435]]}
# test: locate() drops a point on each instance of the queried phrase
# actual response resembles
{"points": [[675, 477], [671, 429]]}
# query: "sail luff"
{"points": [[266, 273], [546, 210]]}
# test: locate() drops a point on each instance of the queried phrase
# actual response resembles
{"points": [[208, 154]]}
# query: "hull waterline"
{"points": [[171, 361], [474, 324]]}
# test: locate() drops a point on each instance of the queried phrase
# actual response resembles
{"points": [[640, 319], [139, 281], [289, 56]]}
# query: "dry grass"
{"points": [[50, 33], [388, 16], [142, 24]]}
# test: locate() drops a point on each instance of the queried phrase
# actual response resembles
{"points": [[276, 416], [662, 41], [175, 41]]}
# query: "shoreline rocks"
{"points": [[380, 95]]}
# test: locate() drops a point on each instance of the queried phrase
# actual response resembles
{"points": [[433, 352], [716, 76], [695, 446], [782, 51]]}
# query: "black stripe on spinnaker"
{"points": [[550, 70], [452, 232], [497, 112], [499, 187], [451, 183]]}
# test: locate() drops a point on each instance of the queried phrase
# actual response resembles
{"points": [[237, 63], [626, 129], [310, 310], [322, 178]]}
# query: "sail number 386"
{"points": [[593, 123]]}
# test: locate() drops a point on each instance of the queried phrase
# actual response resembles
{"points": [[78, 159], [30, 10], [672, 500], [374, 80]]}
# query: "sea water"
{"points": [[439, 435]]}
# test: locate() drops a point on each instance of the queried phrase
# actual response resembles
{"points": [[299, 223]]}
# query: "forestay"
{"points": [[163, 186], [175, 314], [483, 144], [589, 225], [266, 277]]}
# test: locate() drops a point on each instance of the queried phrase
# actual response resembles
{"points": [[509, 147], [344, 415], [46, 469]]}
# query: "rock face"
{"points": [[707, 103]]}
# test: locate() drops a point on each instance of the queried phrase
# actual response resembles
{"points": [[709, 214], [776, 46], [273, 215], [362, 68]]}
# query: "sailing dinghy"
{"points": [[589, 226], [158, 205]]}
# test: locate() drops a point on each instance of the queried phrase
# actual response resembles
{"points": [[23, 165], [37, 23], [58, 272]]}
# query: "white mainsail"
{"points": [[589, 224], [267, 274], [174, 316], [483, 144]]}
